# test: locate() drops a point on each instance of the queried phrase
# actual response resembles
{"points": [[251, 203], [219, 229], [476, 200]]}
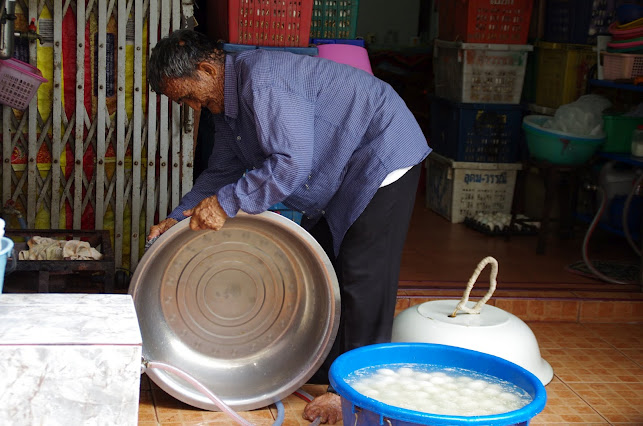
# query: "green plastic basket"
{"points": [[619, 129], [334, 19], [558, 147]]}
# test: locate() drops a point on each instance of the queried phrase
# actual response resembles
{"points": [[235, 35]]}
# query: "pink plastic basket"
{"points": [[18, 83], [621, 66]]}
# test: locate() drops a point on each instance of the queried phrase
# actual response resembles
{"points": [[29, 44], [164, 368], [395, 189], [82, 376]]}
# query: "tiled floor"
{"points": [[589, 331], [598, 380]]}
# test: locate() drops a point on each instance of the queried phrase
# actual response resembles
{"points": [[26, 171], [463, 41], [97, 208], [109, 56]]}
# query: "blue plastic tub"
{"points": [[558, 147], [358, 409]]}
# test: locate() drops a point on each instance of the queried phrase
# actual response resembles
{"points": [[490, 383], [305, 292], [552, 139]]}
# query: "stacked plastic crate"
{"points": [[335, 22], [479, 64], [259, 24], [566, 56], [620, 59], [283, 24]]}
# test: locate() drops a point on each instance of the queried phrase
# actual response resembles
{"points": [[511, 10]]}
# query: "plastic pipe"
{"points": [[626, 210], [588, 235], [215, 399], [7, 18], [308, 397], [281, 411], [304, 395]]}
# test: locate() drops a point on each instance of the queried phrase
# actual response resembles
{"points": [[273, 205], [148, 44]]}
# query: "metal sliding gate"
{"points": [[96, 149]]}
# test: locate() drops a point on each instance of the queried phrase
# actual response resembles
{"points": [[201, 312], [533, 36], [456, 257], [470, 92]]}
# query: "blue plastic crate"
{"points": [[286, 212], [578, 21], [480, 133], [334, 19], [235, 48], [355, 42]]}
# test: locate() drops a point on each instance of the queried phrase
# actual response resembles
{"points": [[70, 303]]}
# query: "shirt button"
{"points": [[303, 212], [323, 212], [310, 177], [238, 138], [306, 186]]}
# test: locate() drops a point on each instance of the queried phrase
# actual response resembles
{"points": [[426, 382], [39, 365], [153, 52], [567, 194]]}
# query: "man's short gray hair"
{"points": [[178, 55]]}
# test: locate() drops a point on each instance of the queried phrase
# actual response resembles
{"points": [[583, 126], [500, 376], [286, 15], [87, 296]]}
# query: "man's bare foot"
{"points": [[328, 407]]}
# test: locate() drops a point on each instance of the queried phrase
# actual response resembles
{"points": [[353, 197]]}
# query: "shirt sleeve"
{"points": [[224, 167], [284, 126]]}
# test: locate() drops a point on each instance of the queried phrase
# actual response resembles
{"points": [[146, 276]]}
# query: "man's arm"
{"points": [[284, 124], [223, 168]]}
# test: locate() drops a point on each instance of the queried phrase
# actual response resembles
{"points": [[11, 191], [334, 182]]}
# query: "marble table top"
{"points": [[68, 319]]}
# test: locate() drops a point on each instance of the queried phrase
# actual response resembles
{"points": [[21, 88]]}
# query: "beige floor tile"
{"points": [[566, 335], [616, 402], [621, 336], [146, 409], [592, 366], [635, 355], [565, 407]]}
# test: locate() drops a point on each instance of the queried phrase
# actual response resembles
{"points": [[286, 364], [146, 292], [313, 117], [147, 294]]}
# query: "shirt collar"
{"points": [[230, 94]]}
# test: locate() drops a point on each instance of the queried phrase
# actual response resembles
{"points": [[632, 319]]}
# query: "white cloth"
{"points": [[394, 175]]}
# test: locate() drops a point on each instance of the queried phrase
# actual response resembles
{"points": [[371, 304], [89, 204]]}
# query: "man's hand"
{"points": [[208, 214], [164, 225], [327, 407]]}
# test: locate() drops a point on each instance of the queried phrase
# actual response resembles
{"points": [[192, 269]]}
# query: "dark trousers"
{"points": [[368, 267]]}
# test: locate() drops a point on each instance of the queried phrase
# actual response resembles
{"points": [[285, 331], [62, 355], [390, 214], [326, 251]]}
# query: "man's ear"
{"points": [[208, 68]]}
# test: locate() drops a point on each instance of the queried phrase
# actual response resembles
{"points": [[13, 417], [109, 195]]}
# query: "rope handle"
{"points": [[461, 306]]}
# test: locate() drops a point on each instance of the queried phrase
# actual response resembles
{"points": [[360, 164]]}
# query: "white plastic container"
{"points": [[637, 141]]}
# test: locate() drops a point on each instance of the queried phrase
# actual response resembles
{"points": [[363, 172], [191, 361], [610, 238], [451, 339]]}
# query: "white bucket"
{"points": [[6, 248]]}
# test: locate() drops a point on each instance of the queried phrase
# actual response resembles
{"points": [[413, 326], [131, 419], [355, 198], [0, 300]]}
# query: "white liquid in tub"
{"points": [[444, 391]]}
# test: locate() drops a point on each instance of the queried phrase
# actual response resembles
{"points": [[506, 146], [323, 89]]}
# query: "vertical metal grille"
{"points": [[96, 149]]}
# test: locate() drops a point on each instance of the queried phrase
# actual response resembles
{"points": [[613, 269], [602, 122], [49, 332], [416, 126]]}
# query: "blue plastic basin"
{"points": [[558, 147], [358, 409]]}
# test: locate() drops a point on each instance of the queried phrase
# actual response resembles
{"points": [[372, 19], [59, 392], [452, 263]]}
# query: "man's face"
{"points": [[196, 92]]}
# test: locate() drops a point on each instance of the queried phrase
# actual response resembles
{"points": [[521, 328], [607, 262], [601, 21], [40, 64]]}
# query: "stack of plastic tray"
{"points": [[479, 65]]}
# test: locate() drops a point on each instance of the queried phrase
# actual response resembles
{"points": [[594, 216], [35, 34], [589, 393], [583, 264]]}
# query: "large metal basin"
{"points": [[250, 311]]}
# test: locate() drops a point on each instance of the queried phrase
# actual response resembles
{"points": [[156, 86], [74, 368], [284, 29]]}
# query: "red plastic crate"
{"points": [[263, 22], [485, 21]]}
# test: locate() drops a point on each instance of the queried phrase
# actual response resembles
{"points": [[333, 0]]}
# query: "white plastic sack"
{"points": [[637, 111], [583, 117]]}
